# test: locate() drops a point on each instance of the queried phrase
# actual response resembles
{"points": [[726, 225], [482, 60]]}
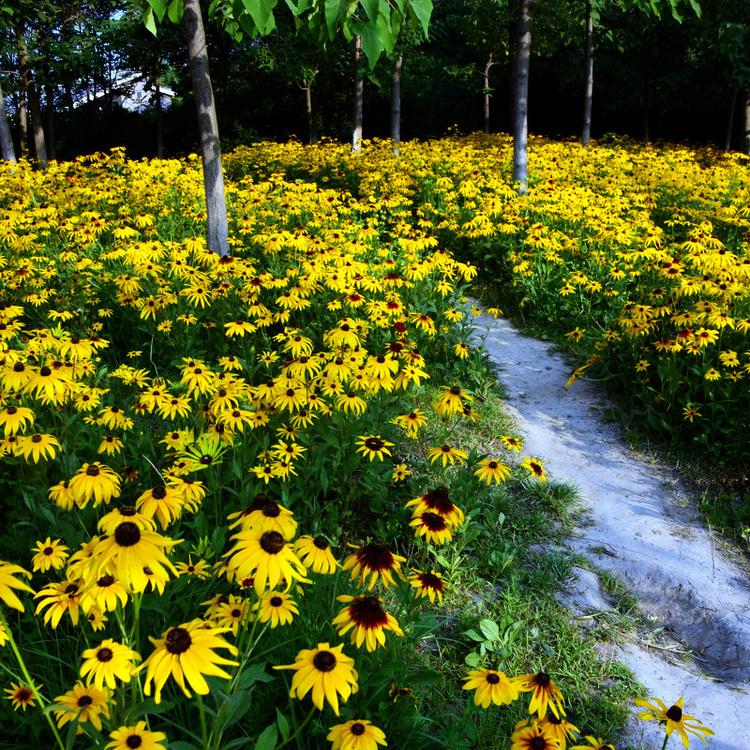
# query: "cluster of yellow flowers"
{"points": [[170, 418]]}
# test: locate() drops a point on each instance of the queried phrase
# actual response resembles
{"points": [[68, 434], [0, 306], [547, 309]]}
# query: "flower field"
{"points": [[249, 502], [635, 257]]}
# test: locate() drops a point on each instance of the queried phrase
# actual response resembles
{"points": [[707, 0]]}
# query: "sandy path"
{"points": [[639, 527]]}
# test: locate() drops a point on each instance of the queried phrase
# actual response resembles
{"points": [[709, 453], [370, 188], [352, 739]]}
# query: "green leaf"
{"points": [[149, 21], [490, 630], [283, 724], [159, 7], [261, 11], [175, 10], [267, 739], [422, 10]]}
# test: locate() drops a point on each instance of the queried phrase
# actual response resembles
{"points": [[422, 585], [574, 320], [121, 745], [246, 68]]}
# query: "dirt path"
{"points": [[638, 526]]}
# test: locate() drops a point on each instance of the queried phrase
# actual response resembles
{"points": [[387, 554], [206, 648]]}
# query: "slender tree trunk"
{"points": [[157, 104], [6, 140], [49, 116], [23, 117], [730, 121], [513, 8], [37, 129], [521, 98], [213, 179], [487, 93], [588, 96], [359, 95], [306, 87], [747, 123], [396, 104]]}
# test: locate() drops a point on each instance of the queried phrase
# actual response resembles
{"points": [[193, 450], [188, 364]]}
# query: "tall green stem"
{"points": [[204, 726], [298, 731], [31, 684], [666, 739]]}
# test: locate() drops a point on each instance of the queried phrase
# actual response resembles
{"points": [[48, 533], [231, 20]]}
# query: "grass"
{"points": [[506, 570]]}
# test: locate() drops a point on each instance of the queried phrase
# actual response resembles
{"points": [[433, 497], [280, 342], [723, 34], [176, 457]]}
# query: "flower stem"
{"points": [[666, 739], [297, 731], [204, 727], [32, 685]]}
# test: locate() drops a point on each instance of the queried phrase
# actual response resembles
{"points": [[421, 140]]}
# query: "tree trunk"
{"points": [[6, 140], [487, 92], [359, 95], [49, 116], [730, 121], [396, 104], [521, 98], [213, 179], [157, 104], [37, 129], [747, 123], [588, 96], [23, 117], [307, 90]]}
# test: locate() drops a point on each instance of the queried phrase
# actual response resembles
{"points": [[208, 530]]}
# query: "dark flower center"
{"points": [[542, 679], [159, 493], [127, 534], [374, 444], [104, 654], [493, 679], [674, 713], [236, 612], [178, 641], [48, 551], [45, 372], [271, 509], [276, 601], [357, 729], [128, 510], [23, 695], [85, 700], [367, 612], [105, 581], [36, 438], [324, 661], [375, 557], [320, 542], [92, 471], [431, 581], [19, 367], [538, 743], [134, 741], [552, 719], [11, 410], [272, 542], [456, 391], [433, 521]]}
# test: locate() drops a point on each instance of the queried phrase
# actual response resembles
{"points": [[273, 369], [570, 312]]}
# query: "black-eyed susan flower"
{"points": [[446, 454], [136, 736], [15, 419], [163, 502], [563, 730], [38, 447], [411, 422], [375, 562], [50, 554], [20, 695], [368, 621], [492, 470], [373, 446], [86, 704], [451, 401], [428, 585], [511, 443], [358, 734], [532, 736], [232, 614], [199, 568], [433, 527], [94, 482], [186, 653], [491, 686], [264, 514], [108, 662], [535, 468], [326, 671], [58, 599], [129, 552], [276, 608], [265, 556], [438, 501], [544, 694], [315, 553], [674, 719]]}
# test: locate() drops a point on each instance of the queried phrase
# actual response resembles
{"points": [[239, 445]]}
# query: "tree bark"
{"points": [[306, 87], [396, 104], [588, 96], [521, 98], [747, 123], [49, 116], [730, 121], [37, 128], [359, 95], [213, 179], [487, 93], [6, 140], [157, 104]]}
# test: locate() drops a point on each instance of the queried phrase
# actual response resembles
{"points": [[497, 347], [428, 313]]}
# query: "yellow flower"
{"points": [[49, 554], [8, 582], [535, 468], [492, 470], [358, 734], [446, 454], [95, 482], [84, 704], [107, 663], [674, 719], [373, 446], [20, 695], [491, 686], [366, 618], [544, 694], [325, 670], [136, 736], [376, 562], [315, 553], [186, 653], [429, 585], [277, 608]]}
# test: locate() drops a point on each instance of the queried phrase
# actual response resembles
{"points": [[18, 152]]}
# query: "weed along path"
{"points": [[637, 526]]}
